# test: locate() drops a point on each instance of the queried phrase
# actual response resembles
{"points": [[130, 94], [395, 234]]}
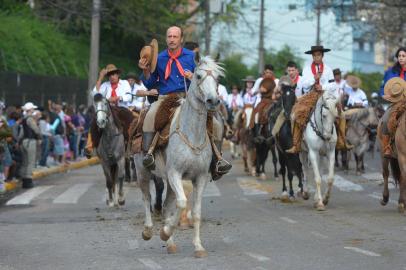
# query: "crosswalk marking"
{"points": [[363, 251], [258, 257], [73, 194], [211, 190], [149, 263], [28, 196], [343, 184], [250, 186]]}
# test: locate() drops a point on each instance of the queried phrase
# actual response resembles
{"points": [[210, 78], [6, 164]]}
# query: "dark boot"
{"points": [[148, 161], [221, 165], [27, 183]]}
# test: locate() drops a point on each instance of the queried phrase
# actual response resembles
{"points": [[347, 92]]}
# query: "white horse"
{"points": [[321, 138], [187, 156]]}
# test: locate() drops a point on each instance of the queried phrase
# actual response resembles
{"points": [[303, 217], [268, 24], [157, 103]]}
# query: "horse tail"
{"points": [[394, 164]]}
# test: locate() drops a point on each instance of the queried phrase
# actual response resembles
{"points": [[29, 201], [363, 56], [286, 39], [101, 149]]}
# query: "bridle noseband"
{"points": [[314, 124]]}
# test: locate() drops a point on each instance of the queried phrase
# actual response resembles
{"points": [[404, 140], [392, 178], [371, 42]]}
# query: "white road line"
{"points": [[28, 196], [363, 251], [150, 263], [258, 257], [73, 194], [211, 190], [247, 184], [259, 268], [343, 184], [288, 220], [133, 244], [322, 236], [379, 196]]}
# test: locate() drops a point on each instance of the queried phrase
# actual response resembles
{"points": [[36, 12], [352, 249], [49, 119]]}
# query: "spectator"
{"points": [[46, 137]]}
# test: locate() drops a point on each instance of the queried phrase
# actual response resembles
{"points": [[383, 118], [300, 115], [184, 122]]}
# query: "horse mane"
{"points": [[208, 63], [122, 118], [360, 114]]}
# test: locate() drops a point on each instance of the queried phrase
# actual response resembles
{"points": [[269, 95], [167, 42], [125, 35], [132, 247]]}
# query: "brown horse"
{"points": [[400, 142], [393, 162]]}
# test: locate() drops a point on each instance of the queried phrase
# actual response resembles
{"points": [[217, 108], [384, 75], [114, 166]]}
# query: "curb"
{"points": [[11, 186]]}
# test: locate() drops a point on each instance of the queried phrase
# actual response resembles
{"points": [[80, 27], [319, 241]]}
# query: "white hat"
{"points": [[29, 106]]}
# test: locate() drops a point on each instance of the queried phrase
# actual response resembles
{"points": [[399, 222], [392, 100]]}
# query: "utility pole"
{"points": [[261, 50], [318, 13], [94, 49], [207, 26]]}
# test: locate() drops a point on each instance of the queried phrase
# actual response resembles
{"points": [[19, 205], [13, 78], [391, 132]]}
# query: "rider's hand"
{"points": [[143, 64], [317, 76], [114, 99], [188, 74], [318, 87], [102, 73], [153, 92]]}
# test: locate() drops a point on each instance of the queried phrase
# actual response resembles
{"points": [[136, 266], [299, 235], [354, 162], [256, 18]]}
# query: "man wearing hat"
{"points": [[29, 135], [316, 75], [267, 73], [172, 71], [356, 96], [115, 90], [395, 93]]}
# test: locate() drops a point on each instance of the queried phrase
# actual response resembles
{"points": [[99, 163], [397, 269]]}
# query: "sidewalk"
{"points": [[41, 173]]}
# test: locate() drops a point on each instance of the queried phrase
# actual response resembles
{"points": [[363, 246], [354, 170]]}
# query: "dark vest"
{"points": [[28, 132]]}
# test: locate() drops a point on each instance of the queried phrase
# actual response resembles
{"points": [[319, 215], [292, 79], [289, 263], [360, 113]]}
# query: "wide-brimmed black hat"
{"points": [[336, 71], [317, 49]]}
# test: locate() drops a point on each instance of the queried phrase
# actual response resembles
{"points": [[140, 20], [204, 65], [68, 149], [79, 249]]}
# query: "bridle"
{"points": [[314, 124], [209, 73]]}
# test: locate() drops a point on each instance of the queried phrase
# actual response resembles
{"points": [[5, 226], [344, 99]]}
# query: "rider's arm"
{"points": [[151, 81]]}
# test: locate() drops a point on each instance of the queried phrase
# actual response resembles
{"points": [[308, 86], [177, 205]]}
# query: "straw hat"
{"points": [[150, 52], [353, 81], [317, 49], [111, 68], [394, 90]]}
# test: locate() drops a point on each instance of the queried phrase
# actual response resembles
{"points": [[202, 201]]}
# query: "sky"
{"points": [[283, 26]]}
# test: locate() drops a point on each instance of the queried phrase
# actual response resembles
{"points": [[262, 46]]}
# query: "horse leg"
{"points": [[317, 178], [245, 157], [120, 172], [275, 161], [175, 181], [330, 178], [159, 189], [291, 192], [362, 163], [199, 186], [304, 174], [169, 208], [144, 177], [385, 175], [402, 194], [284, 196], [109, 184]]}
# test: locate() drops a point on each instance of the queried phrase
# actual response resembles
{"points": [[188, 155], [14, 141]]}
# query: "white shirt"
{"points": [[357, 96], [340, 86], [249, 97], [222, 92], [237, 101], [326, 79], [121, 90], [137, 102]]}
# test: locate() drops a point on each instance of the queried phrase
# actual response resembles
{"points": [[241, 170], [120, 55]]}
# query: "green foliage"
{"points": [[280, 58], [236, 70]]}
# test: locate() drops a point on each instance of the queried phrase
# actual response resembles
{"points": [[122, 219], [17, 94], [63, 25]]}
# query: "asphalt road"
{"points": [[64, 223]]}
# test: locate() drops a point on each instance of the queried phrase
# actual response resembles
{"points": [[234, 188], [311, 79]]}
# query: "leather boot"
{"points": [[221, 165], [27, 183], [341, 142], [89, 147], [148, 161], [296, 140], [386, 144]]}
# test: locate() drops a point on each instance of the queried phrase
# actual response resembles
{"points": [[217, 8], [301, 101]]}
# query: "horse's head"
{"points": [[328, 113], [205, 83], [101, 106], [373, 117], [288, 99]]}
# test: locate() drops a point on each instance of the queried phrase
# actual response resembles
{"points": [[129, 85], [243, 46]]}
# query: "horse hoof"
{"points": [[401, 208], [325, 201], [358, 173], [319, 206], [163, 235], [121, 202], [292, 198], [147, 233], [262, 176], [201, 254], [110, 204], [171, 249], [284, 197], [384, 201]]}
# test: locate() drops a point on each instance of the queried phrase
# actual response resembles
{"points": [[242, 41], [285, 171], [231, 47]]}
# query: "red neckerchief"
{"points": [[174, 57], [296, 79], [402, 72], [113, 89], [314, 70]]}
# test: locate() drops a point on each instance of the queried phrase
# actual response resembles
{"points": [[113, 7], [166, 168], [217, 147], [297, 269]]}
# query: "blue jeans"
{"points": [[44, 151]]}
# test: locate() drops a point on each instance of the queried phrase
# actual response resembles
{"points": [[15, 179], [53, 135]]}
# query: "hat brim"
{"points": [[393, 99], [113, 71], [154, 58], [312, 51]]}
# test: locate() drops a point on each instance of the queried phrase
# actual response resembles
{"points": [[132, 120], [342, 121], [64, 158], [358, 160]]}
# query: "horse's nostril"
{"points": [[210, 101]]}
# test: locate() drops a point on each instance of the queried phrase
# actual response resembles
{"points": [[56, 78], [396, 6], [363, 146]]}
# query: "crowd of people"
{"points": [[38, 137]]}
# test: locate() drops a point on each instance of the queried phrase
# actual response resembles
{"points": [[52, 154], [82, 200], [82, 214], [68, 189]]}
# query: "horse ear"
{"points": [[197, 58], [98, 97]]}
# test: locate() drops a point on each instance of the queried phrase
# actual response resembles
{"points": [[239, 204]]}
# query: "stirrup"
{"points": [[222, 167], [88, 153], [292, 150], [149, 161]]}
